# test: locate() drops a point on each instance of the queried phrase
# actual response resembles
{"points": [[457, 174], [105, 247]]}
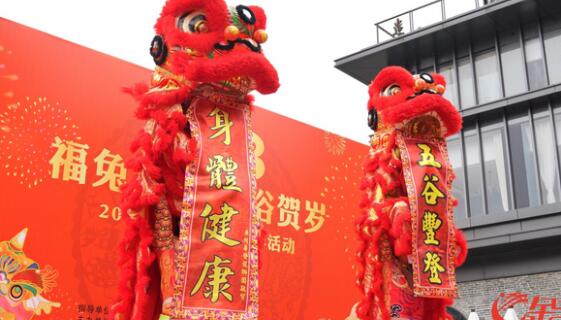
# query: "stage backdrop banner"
{"points": [[65, 128]]}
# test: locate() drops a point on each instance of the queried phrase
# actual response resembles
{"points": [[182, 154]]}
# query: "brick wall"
{"points": [[481, 294]]}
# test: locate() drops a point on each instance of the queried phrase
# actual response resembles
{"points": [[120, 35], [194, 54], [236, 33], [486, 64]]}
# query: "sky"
{"points": [[305, 37]]}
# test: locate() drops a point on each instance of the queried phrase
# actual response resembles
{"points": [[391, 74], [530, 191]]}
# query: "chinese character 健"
{"points": [[216, 226]]}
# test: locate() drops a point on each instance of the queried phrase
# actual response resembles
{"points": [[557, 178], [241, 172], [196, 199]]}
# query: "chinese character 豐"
{"points": [[427, 158], [71, 156], [288, 245], [289, 211], [216, 226], [431, 224], [220, 169], [217, 283], [264, 206], [431, 193], [222, 125], [111, 168], [432, 265], [316, 216], [274, 243]]}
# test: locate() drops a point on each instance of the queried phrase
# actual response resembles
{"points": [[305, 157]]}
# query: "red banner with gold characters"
{"points": [[219, 248], [428, 178], [65, 130]]}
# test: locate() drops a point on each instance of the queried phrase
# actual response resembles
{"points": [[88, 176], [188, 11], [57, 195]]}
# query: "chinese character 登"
{"points": [[264, 206], [111, 168], [431, 193], [427, 158], [217, 283], [431, 223], [432, 265], [289, 211], [216, 226], [316, 216], [71, 156], [273, 243], [222, 124], [220, 167]]}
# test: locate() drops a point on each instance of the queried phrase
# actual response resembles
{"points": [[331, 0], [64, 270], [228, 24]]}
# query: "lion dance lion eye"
{"points": [[16, 292], [391, 90], [193, 22]]}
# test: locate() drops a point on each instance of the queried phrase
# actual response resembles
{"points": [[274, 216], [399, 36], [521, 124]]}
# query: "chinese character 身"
{"points": [[432, 265], [289, 211], [71, 156], [217, 283], [316, 216], [222, 125], [431, 193], [264, 206], [216, 226], [219, 168], [427, 158], [431, 223], [111, 168]]}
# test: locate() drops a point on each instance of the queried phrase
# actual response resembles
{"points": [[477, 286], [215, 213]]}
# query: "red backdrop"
{"points": [[52, 88]]}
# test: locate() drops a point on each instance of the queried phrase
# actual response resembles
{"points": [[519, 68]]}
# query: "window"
{"points": [[534, 57], [488, 80], [451, 92], [549, 179], [552, 42], [495, 160], [523, 160], [514, 75], [474, 178], [455, 154], [465, 74]]}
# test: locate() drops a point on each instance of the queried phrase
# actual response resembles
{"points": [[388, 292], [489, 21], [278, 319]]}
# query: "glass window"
{"points": [[495, 159], [465, 74], [475, 181], [534, 57], [449, 74], [488, 80], [455, 154], [552, 41], [523, 160], [514, 75], [549, 179]]}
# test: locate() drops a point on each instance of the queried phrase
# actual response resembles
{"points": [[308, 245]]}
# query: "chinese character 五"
{"points": [[427, 158]]}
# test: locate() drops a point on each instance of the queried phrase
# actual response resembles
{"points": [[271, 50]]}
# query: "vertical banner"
{"points": [[218, 244], [428, 177]]}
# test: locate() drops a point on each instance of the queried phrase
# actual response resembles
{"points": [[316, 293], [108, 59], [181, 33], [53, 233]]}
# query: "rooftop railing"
{"points": [[424, 16]]}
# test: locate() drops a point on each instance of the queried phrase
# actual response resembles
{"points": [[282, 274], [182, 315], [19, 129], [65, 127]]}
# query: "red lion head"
{"points": [[205, 41], [397, 97]]}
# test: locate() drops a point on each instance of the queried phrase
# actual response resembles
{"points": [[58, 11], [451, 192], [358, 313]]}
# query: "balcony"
{"points": [[424, 16]]}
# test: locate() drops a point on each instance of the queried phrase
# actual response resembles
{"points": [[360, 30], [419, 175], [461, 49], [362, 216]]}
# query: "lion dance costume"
{"points": [[409, 245], [190, 249]]}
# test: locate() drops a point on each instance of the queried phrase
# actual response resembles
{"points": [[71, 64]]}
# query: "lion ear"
{"points": [[19, 240], [260, 17]]}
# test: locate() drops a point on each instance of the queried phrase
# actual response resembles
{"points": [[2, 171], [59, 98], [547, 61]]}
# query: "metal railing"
{"points": [[423, 16]]}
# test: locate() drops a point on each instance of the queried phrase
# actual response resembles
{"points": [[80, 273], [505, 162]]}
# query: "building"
{"points": [[502, 62]]}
